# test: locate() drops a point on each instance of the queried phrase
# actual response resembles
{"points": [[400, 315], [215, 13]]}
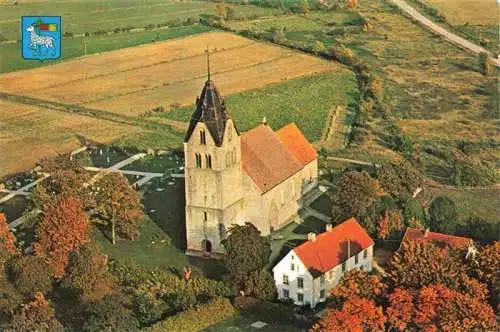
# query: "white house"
{"points": [[309, 271]]}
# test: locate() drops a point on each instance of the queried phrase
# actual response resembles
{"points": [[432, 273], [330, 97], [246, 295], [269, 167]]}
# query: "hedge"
{"points": [[196, 319], [265, 310]]}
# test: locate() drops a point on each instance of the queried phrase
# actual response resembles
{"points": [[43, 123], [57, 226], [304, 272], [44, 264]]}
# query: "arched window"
{"points": [[208, 160], [203, 138], [229, 132], [228, 159], [198, 160], [234, 157]]}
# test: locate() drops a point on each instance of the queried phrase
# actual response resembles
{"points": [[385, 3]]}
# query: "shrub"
{"points": [[343, 54], [265, 310], [443, 215], [196, 319], [260, 284], [30, 274]]}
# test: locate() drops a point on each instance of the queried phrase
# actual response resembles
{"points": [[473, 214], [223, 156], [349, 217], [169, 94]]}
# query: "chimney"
{"points": [[426, 232], [329, 227], [311, 237]]}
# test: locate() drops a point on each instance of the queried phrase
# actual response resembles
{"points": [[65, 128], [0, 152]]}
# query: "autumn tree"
{"points": [[398, 177], [8, 247], [111, 314], [36, 315], [118, 206], [389, 222], [260, 284], [63, 228], [30, 274], [246, 251], [420, 263], [357, 314], [318, 47], [361, 284], [220, 10], [485, 64], [355, 197], [87, 273], [443, 215], [437, 308]]}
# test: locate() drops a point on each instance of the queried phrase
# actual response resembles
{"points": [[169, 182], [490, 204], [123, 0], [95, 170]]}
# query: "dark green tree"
{"points": [[260, 284], [246, 251], [413, 211], [30, 274], [111, 314], [443, 215], [399, 177]]}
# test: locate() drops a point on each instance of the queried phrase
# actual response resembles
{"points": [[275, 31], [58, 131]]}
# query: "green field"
{"points": [[305, 101], [94, 15], [11, 59]]}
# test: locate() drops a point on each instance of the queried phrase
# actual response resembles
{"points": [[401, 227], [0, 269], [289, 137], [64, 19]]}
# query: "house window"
{"points": [[322, 294], [292, 267], [286, 293], [365, 253], [330, 275], [198, 160], [322, 280], [203, 138], [362, 268], [300, 283], [285, 279], [300, 297], [208, 160], [343, 267], [356, 259]]}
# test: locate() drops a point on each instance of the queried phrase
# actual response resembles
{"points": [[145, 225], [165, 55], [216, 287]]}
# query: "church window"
{"points": [[208, 159], [233, 156], [222, 231], [198, 160], [205, 216], [229, 133], [228, 159], [203, 138]]}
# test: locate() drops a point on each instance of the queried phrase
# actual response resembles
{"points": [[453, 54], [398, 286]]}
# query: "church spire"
{"points": [[208, 63]]}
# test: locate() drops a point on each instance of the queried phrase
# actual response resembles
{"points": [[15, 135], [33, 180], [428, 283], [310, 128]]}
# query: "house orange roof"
{"points": [[297, 143], [333, 247], [265, 158], [440, 239]]}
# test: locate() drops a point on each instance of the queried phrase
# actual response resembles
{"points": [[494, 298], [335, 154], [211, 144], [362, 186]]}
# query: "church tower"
{"points": [[213, 173]]}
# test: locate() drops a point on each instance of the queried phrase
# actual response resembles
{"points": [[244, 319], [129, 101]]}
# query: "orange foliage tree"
{"points": [[390, 221], [436, 307], [359, 283], [64, 228], [7, 240], [486, 264], [35, 316], [357, 315]]}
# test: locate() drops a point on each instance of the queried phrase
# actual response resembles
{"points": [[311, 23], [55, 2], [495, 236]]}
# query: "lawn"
{"points": [[242, 323], [73, 47], [157, 164], [15, 207], [323, 204], [305, 101]]}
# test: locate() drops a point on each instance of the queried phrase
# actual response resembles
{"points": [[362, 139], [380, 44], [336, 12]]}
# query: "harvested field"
{"points": [[133, 80], [467, 11], [29, 133]]}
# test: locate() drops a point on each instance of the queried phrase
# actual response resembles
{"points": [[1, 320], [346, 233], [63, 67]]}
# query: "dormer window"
{"points": [[208, 160], [198, 160], [203, 138]]}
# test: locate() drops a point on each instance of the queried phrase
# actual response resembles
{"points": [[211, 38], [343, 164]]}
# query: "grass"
{"points": [[15, 207], [73, 47], [155, 164], [242, 323], [305, 101], [323, 204]]}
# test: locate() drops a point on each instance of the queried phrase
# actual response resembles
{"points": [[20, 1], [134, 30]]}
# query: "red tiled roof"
{"points": [[412, 234], [265, 158], [297, 143], [331, 248]]}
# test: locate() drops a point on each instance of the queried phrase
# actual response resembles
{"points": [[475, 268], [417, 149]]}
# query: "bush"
{"points": [[196, 319], [343, 54], [443, 215], [265, 310], [30, 274], [260, 284]]}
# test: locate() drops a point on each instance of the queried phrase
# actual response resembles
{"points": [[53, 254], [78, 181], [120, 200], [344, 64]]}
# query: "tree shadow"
{"points": [[285, 249], [348, 249]]}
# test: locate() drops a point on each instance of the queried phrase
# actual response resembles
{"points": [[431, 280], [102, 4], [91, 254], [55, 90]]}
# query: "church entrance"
{"points": [[206, 246]]}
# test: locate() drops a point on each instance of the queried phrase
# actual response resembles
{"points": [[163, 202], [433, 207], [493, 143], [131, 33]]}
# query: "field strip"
{"points": [[107, 10], [197, 55]]}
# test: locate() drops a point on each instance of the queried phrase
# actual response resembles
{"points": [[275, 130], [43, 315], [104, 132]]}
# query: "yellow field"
{"points": [[472, 11], [131, 81]]}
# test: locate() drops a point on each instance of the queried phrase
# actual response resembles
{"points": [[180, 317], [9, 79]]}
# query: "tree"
{"points": [[413, 211], [398, 177], [246, 251], [8, 247], [220, 10], [376, 86], [87, 273], [111, 314], [436, 307], [37, 315], [389, 222], [260, 284], [119, 206], [30, 274], [318, 47], [480, 229], [355, 196], [485, 64], [64, 228], [361, 284], [357, 315], [303, 7], [230, 13], [443, 215], [279, 36], [486, 266], [404, 144], [420, 263]]}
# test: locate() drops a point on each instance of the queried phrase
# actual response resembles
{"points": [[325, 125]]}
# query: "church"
{"points": [[259, 176]]}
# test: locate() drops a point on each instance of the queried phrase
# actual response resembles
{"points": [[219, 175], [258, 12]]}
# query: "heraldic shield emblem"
{"points": [[41, 37]]}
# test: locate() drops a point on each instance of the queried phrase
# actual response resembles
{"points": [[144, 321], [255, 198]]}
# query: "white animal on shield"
{"points": [[36, 40]]}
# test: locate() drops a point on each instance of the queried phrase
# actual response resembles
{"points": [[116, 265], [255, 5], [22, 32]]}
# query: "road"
{"points": [[442, 31]]}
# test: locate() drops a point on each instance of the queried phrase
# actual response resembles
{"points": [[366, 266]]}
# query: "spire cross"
{"points": [[208, 63]]}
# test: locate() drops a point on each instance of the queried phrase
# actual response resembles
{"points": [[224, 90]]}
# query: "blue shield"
{"points": [[41, 37]]}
